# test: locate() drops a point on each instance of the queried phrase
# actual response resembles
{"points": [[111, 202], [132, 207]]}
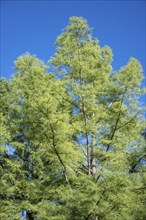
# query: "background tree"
{"points": [[72, 143]]}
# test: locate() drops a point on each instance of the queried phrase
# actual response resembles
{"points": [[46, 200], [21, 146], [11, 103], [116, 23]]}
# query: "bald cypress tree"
{"points": [[72, 142]]}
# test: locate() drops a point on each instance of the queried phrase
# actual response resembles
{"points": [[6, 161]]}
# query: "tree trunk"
{"points": [[93, 159]]}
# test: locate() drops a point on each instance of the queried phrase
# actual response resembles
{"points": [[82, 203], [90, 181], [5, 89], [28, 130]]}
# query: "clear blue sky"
{"points": [[33, 26]]}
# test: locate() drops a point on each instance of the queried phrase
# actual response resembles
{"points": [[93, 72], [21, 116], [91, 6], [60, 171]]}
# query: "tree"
{"points": [[72, 143]]}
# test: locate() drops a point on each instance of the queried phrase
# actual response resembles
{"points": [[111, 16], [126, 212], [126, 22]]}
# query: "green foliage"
{"points": [[73, 141]]}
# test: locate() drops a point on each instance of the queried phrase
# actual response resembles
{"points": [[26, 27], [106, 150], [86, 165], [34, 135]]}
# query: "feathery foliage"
{"points": [[73, 140]]}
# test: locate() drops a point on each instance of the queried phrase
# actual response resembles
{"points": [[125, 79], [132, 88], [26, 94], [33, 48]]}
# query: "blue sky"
{"points": [[33, 26]]}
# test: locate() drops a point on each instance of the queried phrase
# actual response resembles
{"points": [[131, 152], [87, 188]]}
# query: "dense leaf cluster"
{"points": [[73, 140]]}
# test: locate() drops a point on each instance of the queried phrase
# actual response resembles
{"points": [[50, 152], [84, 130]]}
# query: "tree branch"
{"points": [[57, 154], [115, 127], [127, 122], [136, 163], [80, 144]]}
